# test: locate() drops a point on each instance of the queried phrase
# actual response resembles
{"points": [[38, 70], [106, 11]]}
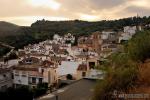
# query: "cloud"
{"points": [[104, 4], [45, 3], [88, 17], [138, 10], [25, 12]]}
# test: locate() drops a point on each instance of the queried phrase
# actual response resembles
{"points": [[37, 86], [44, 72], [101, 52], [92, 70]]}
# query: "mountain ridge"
{"points": [[7, 28]]}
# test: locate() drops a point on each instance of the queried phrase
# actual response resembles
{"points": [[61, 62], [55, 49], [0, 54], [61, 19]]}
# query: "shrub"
{"points": [[120, 79], [21, 93], [139, 46], [41, 89]]}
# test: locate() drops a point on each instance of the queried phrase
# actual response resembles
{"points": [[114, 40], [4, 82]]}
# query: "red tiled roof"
{"points": [[31, 59], [26, 68], [47, 62]]}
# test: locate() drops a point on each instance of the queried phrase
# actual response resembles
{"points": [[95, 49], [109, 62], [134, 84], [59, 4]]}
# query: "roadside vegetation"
{"points": [[126, 71], [24, 92]]}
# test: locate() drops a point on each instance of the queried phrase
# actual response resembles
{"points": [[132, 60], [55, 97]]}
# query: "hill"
{"points": [[18, 37], [7, 29], [78, 27]]}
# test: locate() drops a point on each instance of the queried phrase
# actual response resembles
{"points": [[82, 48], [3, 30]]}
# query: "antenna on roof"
{"points": [[138, 23], [137, 15]]}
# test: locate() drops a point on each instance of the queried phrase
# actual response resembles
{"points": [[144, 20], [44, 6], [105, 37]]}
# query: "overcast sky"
{"points": [[25, 12]]}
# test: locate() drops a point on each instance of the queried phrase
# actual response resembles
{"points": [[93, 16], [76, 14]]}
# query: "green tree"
{"points": [[139, 46]]}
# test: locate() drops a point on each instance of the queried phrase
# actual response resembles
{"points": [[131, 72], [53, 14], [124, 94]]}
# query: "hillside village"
{"points": [[53, 61]]}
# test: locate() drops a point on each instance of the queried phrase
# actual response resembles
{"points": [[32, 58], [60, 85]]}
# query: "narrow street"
{"points": [[80, 90]]}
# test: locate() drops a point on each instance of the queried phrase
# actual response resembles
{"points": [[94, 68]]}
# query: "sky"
{"points": [[25, 12]]}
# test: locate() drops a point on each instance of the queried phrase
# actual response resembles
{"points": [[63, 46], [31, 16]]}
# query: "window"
{"points": [[83, 74], [29, 61], [33, 80], [92, 65], [23, 75], [42, 71], [40, 80], [12, 76], [30, 80], [4, 75]]}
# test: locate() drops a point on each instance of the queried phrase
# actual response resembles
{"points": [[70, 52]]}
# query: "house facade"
{"points": [[32, 71], [5, 78]]}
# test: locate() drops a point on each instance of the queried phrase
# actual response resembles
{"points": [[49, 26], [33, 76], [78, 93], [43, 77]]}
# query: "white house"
{"points": [[32, 71], [129, 31], [75, 51], [57, 37], [69, 37], [124, 37], [105, 34], [68, 67]]}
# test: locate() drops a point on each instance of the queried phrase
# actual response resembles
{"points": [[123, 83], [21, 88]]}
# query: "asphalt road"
{"points": [[80, 90]]}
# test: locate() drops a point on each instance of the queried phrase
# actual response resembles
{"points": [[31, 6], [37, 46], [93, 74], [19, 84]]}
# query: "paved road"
{"points": [[81, 90]]}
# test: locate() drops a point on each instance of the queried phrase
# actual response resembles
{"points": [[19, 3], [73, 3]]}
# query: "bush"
{"points": [[144, 74], [39, 92], [139, 46], [121, 74], [120, 79], [43, 85], [123, 71], [41, 89], [21, 93]]}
